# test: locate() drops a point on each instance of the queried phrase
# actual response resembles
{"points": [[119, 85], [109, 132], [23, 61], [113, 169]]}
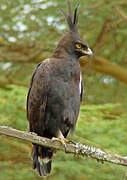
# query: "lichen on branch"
{"points": [[73, 148]]}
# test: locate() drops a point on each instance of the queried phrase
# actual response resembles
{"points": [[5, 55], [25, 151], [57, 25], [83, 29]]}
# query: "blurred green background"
{"points": [[29, 32]]}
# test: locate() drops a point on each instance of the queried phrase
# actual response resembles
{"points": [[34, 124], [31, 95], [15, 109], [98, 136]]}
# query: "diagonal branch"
{"points": [[76, 149], [104, 66], [4, 82], [121, 13]]}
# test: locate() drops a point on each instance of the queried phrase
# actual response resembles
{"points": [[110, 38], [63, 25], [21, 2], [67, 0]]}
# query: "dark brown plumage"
{"points": [[55, 93]]}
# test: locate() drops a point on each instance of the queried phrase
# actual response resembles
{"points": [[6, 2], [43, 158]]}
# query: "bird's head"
{"points": [[71, 41]]}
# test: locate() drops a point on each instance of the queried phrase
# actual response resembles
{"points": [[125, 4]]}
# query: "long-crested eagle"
{"points": [[55, 93]]}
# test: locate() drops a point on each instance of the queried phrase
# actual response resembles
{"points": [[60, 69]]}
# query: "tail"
{"points": [[42, 159]]}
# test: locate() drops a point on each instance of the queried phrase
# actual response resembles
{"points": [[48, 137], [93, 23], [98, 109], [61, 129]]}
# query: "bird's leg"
{"points": [[72, 142], [60, 138], [63, 141]]}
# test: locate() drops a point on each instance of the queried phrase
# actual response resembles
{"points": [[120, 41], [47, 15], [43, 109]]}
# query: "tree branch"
{"points": [[76, 149], [107, 28], [121, 13], [4, 82], [104, 66]]}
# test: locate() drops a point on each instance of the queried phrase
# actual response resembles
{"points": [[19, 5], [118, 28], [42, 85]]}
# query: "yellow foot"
{"points": [[63, 141], [72, 142]]}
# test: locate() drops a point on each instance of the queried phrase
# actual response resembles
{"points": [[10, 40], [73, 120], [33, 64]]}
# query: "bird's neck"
{"points": [[63, 53]]}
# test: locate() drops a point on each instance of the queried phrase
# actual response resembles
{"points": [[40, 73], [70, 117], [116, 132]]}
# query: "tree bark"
{"points": [[74, 148], [4, 82]]}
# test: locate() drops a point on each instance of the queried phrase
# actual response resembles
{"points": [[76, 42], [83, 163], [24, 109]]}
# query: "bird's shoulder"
{"points": [[43, 67], [41, 72], [37, 94]]}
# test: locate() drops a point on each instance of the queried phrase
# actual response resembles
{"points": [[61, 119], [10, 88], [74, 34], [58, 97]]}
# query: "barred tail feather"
{"points": [[42, 159]]}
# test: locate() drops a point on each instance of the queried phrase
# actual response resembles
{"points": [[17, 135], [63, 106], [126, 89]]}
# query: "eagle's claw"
{"points": [[63, 141]]}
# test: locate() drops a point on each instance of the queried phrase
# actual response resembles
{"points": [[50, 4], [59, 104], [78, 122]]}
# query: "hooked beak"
{"points": [[88, 52]]}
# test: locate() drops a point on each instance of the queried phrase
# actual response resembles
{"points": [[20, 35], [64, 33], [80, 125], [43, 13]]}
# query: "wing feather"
{"points": [[37, 99]]}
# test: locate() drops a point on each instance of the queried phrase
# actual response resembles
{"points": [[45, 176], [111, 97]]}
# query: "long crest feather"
{"points": [[72, 23], [69, 9], [75, 14]]}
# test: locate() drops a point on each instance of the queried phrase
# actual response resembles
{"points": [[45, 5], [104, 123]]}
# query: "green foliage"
{"points": [[31, 21], [103, 126], [12, 106]]}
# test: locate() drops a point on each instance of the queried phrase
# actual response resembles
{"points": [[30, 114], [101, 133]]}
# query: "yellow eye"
{"points": [[78, 46]]}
